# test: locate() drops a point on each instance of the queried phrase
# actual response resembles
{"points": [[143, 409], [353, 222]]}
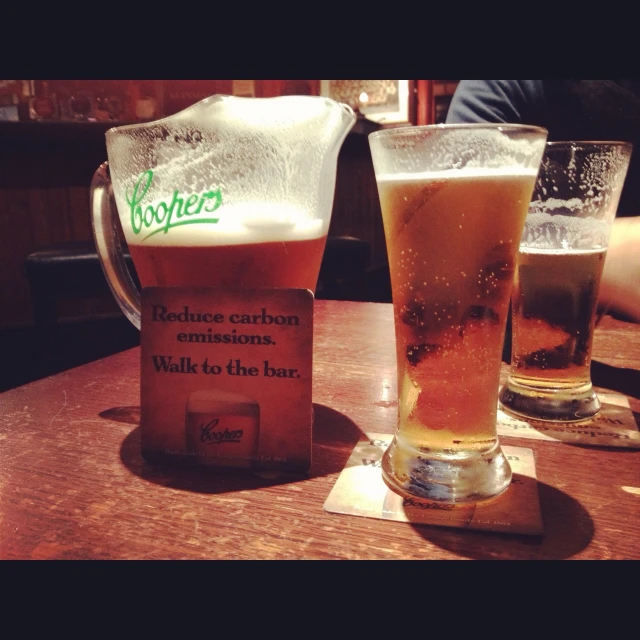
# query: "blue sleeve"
{"points": [[509, 101]]}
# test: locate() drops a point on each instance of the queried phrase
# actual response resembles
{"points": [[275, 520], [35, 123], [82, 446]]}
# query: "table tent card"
{"points": [[226, 377]]}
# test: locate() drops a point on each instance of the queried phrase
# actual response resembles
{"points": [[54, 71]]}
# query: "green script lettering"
{"points": [[167, 216]]}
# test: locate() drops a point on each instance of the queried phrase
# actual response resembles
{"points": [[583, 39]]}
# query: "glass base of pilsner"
{"points": [[458, 477], [549, 404]]}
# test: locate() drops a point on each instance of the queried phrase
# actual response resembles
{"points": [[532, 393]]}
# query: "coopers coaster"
{"points": [[226, 377], [614, 426], [360, 491]]}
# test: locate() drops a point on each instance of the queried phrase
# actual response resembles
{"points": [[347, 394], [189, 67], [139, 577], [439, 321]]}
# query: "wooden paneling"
{"points": [[179, 94], [80, 220], [356, 210], [16, 238], [432, 100], [424, 100], [45, 172]]}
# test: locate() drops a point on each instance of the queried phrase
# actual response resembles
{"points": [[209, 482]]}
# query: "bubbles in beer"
{"points": [[452, 241]]}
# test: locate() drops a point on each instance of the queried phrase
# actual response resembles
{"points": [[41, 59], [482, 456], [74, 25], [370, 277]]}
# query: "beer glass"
{"points": [[231, 192], [454, 200], [555, 297]]}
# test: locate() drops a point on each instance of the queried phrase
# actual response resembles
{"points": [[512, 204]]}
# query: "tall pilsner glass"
{"points": [[555, 298], [454, 200]]}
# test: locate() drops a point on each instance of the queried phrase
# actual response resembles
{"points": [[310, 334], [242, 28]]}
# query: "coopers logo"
{"points": [[208, 435], [167, 215]]}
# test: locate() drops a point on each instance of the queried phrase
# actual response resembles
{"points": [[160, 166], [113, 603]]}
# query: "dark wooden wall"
{"points": [[45, 172]]}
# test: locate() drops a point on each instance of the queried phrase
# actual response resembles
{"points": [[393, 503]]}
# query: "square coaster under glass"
{"points": [[361, 491], [614, 426]]}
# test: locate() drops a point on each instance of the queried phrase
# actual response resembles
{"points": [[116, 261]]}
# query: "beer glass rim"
{"points": [[586, 144], [424, 128]]}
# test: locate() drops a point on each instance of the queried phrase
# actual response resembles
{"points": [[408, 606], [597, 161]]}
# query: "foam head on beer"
{"points": [[229, 186]]}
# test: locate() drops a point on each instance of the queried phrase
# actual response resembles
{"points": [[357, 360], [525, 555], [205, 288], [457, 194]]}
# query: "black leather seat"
{"points": [[75, 315], [70, 270]]}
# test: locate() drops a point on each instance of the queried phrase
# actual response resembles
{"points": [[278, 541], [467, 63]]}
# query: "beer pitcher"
{"points": [[231, 192]]}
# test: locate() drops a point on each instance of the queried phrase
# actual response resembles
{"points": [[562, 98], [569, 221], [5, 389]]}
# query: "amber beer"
{"points": [[452, 241], [248, 253], [287, 264], [554, 312]]}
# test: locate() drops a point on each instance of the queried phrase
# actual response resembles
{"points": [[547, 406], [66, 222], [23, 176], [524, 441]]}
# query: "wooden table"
{"points": [[73, 484]]}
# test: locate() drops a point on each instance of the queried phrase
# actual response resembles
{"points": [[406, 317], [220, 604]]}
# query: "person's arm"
{"points": [[509, 101], [620, 285]]}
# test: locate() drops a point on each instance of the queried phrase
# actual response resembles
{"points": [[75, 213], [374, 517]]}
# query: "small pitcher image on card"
{"points": [[222, 428]]}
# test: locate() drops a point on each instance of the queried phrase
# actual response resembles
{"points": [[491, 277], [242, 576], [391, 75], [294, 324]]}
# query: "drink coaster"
{"points": [[226, 377], [360, 491], [614, 426]]}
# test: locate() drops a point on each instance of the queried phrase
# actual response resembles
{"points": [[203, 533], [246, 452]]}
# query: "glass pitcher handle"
{"points": [[106, 234]]}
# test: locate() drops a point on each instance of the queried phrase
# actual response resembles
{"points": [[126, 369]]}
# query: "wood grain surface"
{"points": [[73, 484]]}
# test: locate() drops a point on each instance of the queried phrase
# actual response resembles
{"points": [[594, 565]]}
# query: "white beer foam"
{"points": [[536, 251], [241, 223], [460, 147], [461, 174], [564, 232]]}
